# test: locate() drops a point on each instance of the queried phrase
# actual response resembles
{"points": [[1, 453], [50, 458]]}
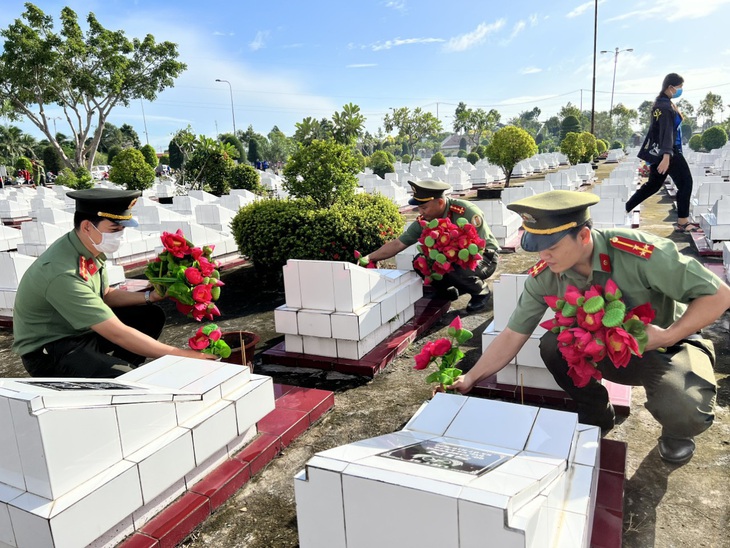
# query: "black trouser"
{"points": [[679, 382], [91, 355], [473, 282], [682, 177]]}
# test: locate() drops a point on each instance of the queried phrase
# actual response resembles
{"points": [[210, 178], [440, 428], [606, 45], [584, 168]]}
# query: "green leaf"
{"points": [[181, 292], [464, 335], [569, 310], [637, 329], [594, 304], [613, 318], [434, 377]]}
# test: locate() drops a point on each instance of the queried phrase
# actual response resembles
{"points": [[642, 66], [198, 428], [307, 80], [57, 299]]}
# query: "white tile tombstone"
{"points": [[528, 479], [503, 223], [81, 457]]}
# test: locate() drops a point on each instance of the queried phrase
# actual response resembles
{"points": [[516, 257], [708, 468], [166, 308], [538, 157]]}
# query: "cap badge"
{"points": [[526, 217]]}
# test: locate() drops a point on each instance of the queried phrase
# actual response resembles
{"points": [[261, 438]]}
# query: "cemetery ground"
{"points": [[664, 505]]}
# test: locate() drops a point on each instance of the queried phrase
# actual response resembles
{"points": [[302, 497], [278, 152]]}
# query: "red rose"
{"points": [[176, 243], [206, 267], [201, 293], [196, 252], [193, 276], [440, 347], [620, 345]]}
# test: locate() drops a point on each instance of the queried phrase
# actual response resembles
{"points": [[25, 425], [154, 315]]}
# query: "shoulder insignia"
{"points": [[605, 262], [87, 268], [477, 221], [640, 249], [459, 210], [537, 268]]}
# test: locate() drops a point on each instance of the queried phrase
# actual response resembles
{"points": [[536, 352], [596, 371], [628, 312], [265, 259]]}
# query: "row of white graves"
{"points": [[463, 473], [341, 310], [86, 462]]}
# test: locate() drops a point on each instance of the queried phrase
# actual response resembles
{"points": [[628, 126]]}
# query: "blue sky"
{"points": [[290, 59]]}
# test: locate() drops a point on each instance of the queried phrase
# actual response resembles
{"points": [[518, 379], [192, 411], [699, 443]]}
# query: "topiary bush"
{"points": [[381, 164], [462, 153], [438, 159], [150, 156], [406, 159], [83, 178], [472, 158], [714, 137], [246, 177], [270, 232], [52, 160], [591, 148], [570, 124], [129, 169], [573, 147], [695, 142], [482, 151], [323, 171], [616, 145], [66, 177], [113, 151], [601, 146]]}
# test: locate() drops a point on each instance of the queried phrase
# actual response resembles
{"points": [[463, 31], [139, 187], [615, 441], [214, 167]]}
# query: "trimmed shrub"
{"points": [[406, 159], [150, 156], [482, 151], [462, 153], [472, 158], [616, 145], [83, 178], [573, 147], [601, 146], [113, 151], [246, 177], [695, 142], [714, 137], [165, 159], [323, 171], [211, 169], [129, 169], [462, 144], [23, 163], [438, 159], [66, 177], [570, 124], [381, 164], [52, 160], [364, 222], [589, 142]]}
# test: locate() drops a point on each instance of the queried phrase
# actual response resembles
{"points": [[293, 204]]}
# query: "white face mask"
{"points": [[110, 241]]}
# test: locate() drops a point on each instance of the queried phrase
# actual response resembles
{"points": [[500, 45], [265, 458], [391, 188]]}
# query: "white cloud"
{"points": [[533, 20], [220, 33], [388, 44], [476, 37], [361, 65], [258, 41], [673, 10], [530, 70], [397, 5], [579, 10], [518, 28]]}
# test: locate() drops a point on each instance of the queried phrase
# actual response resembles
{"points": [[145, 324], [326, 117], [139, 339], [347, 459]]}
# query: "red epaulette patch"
{"points": [[537, 268], [640, 249], [605, 262], [459, 210], [87, 267]]}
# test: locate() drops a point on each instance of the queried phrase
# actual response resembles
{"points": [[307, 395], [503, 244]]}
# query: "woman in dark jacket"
{"points": [[662, 150]]}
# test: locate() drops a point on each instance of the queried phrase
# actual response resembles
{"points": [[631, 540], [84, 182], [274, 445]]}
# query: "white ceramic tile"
{"points": [[320, 510], [357, 325], [416, 289], [285, 320], [29, 529], [317, 346], [492, 422], [317, 285], [508, 375], [164, 462], [552, 433], [478, 522], [151, 509], [294, 343], [292, 290], [141, 424], [314, 323], [505, 300], [536, 377], [572, 492], [436, 416], [142, 373], [253, 402], [403, 298], [400, 515], [351, 287], [529, 354], [587, 445], [56, 457], [387, 307], [241, 441], [532, 519], [212, 429], [488, 337], [11, 469]]}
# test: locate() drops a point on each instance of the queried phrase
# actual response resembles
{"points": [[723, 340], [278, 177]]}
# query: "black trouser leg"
{"points": [[150, 320], [682, 178], [651, 187]]}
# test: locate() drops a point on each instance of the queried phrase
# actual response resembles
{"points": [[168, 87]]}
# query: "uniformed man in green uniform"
{"points": [[677, 366], [432, 203], [67, 321]]}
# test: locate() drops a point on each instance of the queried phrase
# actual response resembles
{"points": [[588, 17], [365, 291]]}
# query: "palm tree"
{"points": [[348, 124]]}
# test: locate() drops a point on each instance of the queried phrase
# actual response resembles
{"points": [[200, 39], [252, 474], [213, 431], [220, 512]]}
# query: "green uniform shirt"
{"points": [[472, 214], [54, 301], [666, 279]]}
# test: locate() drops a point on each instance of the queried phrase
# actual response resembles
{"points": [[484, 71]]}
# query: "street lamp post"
{"points": [[233, 112], [615, 62]]}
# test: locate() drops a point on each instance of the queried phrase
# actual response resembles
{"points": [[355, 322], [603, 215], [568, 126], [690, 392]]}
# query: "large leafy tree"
{"points": [[528, 120], [348, 124], [477, 124], [86, 74], [709, 106], [510, 145], [624, 118], [412, 126]]}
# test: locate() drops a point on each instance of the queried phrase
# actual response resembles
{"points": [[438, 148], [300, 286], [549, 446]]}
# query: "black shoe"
{"points": [[479, 302], [447, 294], [676, 450]]}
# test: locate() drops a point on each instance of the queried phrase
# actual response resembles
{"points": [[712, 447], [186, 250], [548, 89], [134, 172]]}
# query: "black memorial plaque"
{"points": [[67, 386], [456, 458]]}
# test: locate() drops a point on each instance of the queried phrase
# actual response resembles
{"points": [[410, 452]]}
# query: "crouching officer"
{"points": [[676, 368], [432, 203], [67, 321]]}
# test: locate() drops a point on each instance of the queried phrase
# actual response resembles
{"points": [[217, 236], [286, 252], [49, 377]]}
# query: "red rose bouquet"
{"points": [[187, 275], [445, 353], [208, 339], [444, 245], [594, 324]]}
